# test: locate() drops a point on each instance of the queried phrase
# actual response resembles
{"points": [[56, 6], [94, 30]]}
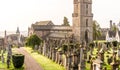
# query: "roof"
{"points": [[44, 23], [13, 36], [52, 27]]}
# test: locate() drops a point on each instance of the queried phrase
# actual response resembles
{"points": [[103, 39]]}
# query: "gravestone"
{"points": [[36, 47], [119, 52], [9, 54], [54, 54], [101, 54], [2, 58], [81, 65], [109, 60], [115, 63], [74, 61], [97, 64], [44, 48], [69, 59]]}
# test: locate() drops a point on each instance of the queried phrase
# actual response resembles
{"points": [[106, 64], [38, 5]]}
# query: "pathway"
{"points": [[30, 62]]}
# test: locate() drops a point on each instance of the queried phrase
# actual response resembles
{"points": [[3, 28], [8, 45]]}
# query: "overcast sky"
{"points": [[23, 13]]}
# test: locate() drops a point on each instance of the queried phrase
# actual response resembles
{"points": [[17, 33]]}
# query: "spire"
{"points": [[18, 31], [111, 25], [5, 33]]}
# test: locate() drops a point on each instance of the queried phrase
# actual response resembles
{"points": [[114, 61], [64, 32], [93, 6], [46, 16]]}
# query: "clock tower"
{"points": [[82, 20]]}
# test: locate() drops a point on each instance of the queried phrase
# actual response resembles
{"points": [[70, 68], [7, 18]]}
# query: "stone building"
{"points": [[1, 42], [44, 29], [82, 24], [14, 38]]}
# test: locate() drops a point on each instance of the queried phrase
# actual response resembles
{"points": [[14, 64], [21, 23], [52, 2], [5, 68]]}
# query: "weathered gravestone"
{"points": [[9, 54], [119, 52], [115, 63], [97, 64], [74, 61], [44, 48], [2, 58], [69, 59], [81, 65]]}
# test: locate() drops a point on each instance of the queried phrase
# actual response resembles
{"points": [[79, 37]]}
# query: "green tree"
{"points": [[96, 30], [65, 22], [33, 40], [114, 28]]}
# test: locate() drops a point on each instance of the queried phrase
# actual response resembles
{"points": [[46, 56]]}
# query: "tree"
{"points": [[33, 40], [65, 22], [96, 30], [114, 28]]}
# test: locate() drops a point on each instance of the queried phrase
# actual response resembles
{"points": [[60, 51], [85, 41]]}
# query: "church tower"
{"points": [[82, 20], [18, 31]]}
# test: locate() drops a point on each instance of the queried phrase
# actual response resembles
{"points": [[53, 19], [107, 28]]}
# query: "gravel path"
{"points": [[30, 62]]}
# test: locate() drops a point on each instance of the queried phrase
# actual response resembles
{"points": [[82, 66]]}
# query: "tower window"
{"points": [[86, 12], [86, 8], [86, 22]]}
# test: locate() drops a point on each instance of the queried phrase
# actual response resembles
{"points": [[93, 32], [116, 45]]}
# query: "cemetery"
{"points": [[55, 47], [80, 56]]}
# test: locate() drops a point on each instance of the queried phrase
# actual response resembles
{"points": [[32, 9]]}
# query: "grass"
{"points": [[45, 63], [3, 66], [100, 41]]}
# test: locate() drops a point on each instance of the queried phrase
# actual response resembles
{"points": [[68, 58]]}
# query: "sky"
{"points": [[23, 13]]}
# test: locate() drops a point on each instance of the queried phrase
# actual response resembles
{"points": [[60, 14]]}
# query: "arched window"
{"points": [[86, 22], [87, 9], [86, 36]]}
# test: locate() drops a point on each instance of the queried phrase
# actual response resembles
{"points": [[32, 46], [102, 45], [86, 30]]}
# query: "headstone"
{"points": [[97, 64], [9, 54], [109, 60], [44, 48], [101, 54], [81, 66], [69, 59], [119, 53], [36, 47], [53, 54], [74, 61], [2, 58], [115, 63]]}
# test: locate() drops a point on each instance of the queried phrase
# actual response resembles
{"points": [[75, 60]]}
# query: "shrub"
{"points": [[114, 43], [92, 44], [18, 60], [64, 47], [33, 40]]}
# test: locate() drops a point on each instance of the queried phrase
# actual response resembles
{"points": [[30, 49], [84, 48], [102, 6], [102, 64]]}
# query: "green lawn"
{"points": [[3, 66], [46, 63]]}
